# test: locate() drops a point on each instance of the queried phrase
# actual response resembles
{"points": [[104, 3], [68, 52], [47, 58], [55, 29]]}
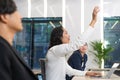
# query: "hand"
{"points": [[95, 12], [91, 73], [94, 16]]}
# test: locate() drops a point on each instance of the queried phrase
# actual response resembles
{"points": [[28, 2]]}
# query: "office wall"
{"points": [[54, 9], [72, 14]]}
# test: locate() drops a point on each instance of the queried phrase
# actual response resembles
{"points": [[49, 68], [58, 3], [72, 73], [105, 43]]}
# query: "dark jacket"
{"points": [[75, 61], [12, 66]]}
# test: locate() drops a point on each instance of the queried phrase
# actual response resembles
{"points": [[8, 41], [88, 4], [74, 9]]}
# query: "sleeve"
{"points": [[75, 61], [86, 35], [70, 71], [64, 49], [5, 67]]}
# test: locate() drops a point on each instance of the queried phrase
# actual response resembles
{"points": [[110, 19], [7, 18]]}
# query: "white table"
{"points": [[113, 77]]}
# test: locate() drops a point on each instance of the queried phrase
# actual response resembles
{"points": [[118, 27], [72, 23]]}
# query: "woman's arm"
{"points": [[63, 49], [86, 35], [74, 72]]}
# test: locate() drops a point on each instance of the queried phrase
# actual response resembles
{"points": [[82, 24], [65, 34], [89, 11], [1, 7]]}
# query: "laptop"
{"points": [[117, 72], [109, 73]]}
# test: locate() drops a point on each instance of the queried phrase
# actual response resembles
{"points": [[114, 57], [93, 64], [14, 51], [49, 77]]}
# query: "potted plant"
{"points": [[101, 52]]}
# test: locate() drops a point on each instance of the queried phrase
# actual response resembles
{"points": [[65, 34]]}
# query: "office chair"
{"points": [[42, 64]]}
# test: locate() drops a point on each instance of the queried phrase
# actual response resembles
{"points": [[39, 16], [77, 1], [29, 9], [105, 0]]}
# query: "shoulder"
{"points": [[75, 54], [4, 49], [60, 46]]}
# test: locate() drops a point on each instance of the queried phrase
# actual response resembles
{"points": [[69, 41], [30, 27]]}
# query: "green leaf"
{"points": [[100, 51]]}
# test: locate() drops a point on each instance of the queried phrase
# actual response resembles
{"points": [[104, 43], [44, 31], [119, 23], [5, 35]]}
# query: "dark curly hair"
{"points": [[7, 6], [56, 35]]}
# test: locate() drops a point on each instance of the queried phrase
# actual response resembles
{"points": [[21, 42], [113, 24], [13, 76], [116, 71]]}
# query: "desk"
{"points": [[113, 77], [105, 69]]}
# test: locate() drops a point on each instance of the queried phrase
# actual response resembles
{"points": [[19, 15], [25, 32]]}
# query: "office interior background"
{"points": [[41, 16]]}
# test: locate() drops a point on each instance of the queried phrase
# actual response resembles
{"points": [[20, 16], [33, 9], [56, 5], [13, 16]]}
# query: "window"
{"points": [[32, 42], [112, 38]]}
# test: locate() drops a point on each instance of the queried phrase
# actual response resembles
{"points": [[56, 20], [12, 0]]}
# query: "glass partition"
{"points": [[32, 42], [112, 38]]}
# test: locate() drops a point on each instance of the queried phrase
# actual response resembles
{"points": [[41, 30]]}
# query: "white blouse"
{"points": [[56, 64]]}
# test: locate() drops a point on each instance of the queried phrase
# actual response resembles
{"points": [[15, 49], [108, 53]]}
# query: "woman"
{"points": [[56, 64]]}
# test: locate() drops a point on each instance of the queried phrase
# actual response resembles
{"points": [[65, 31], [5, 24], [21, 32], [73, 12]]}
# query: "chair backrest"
{"points": [[42, 64]]}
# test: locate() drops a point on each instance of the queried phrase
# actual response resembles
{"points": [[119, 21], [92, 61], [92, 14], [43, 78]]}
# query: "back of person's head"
{"points": [[7, 7], [56, 35]]}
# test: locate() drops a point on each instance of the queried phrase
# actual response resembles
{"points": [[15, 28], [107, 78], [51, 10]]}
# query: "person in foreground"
{"points": [[12, 66], [78, 60], [56, 64]]}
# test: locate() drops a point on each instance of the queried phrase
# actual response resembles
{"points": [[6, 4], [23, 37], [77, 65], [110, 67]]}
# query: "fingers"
{"points": [[94, 16], [97, 74], [91, 73], [96, 10]]}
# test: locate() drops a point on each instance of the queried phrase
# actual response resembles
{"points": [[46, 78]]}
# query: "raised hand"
{"points": [[94, 16], [95, 12]]}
